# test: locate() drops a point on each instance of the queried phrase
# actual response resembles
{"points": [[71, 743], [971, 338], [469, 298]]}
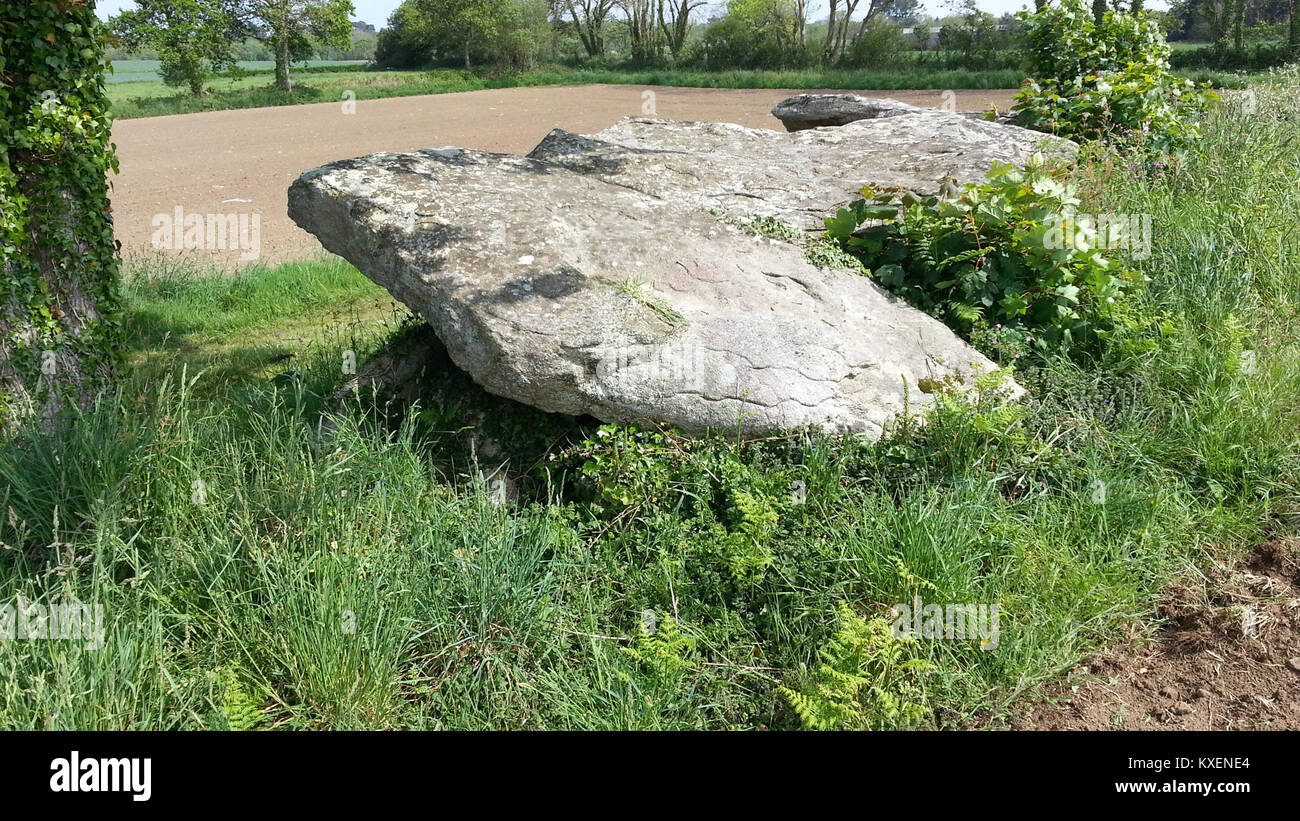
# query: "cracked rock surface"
{"points": [[797, 178], [561, 290]]}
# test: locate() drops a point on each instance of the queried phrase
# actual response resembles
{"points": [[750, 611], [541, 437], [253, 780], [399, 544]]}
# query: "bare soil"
{"points": [[243, 161], [1227, 658]]}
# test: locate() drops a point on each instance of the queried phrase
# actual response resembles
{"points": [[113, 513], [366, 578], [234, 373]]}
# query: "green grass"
{"points": [[233, 325], [135, 71], [257, 567]]}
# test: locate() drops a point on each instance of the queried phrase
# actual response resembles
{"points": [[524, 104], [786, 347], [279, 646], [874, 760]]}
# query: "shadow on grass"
{"points": [[246, 326]]}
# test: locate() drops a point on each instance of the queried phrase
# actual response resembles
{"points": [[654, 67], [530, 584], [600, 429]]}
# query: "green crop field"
{"points": [[137, 71]]}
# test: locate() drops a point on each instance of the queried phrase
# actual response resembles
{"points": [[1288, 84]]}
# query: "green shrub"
{"points": [[881, 44], [1109, 81], [1005, 258]]}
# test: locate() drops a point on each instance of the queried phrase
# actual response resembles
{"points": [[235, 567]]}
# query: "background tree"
{"points": [[60, 332], [525, 34], [407, 40], [293, 28], [644, 35], [589, 19], [840, 36], [513, 33], [799, 12], [675, 21], [1217, 15], [905, 12], [755, 34], [464, 23], [192, 38]]}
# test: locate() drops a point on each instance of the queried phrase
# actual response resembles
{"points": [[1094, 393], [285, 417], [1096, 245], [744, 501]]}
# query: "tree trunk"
{"points": [[1098, 11], [60, 335], [466, 47], [830, 32], [589, 37], [282, 79], [1293, 37], [1220, 22], [1239, 26], [846, 20]]}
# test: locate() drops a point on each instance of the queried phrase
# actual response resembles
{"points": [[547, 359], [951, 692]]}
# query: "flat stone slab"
{"points": [[575, 295], [798, 178], [804, 111]]}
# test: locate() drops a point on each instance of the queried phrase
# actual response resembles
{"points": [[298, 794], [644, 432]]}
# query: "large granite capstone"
{"points": [[574, 293]]}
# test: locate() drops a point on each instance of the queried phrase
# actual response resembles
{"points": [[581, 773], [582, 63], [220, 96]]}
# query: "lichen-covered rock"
{"points": [[798, 178], [805, 111], [573, 295]]}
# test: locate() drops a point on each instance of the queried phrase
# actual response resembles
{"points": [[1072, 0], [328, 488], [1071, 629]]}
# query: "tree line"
{"points": [[768, 33], [739, 33], [195, 38]]}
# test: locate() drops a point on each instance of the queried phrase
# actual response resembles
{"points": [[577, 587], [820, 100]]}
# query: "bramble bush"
{"points": [[1005, 262], [1109, 81]]}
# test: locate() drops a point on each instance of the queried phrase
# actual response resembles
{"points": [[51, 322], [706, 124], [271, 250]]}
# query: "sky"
{"points": [[376, 12]]}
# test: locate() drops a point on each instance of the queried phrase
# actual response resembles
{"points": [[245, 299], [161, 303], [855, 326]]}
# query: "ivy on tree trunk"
{"points": [[60, 328]]}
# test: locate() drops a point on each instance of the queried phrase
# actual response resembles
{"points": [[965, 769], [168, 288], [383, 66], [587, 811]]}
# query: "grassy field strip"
{"points": [[145, 99], [327, 84]]}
